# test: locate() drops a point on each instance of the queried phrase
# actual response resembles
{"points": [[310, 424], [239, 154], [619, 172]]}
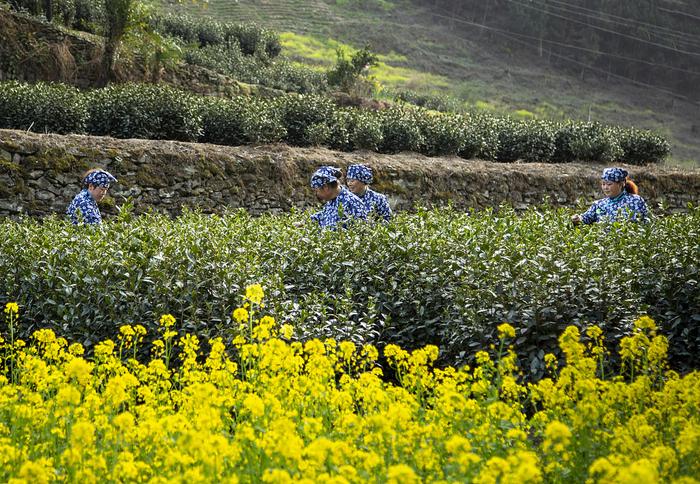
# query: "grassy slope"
{"points": [[474, 66]]}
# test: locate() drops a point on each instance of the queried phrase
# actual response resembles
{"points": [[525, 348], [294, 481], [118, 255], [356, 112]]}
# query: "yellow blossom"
{"points": [[11, 308], [505, 330], [240, 314], [254, 293]]}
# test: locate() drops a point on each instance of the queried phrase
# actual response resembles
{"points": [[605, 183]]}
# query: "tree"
{"points": [[347, 73], [117, 20]]}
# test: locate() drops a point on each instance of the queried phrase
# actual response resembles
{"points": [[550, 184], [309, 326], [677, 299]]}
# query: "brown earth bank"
{"points": [[40, 173], [32, 51]]}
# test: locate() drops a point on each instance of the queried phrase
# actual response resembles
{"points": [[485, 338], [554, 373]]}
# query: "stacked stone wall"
{"points": [[39, 175]]}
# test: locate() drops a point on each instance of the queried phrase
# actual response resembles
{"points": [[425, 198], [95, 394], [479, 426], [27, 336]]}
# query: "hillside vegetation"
{"points": [[425, 49]]}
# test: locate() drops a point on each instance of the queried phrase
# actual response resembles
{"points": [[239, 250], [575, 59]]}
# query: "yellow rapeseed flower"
{"points": [[505, 330], [287, 331], [254, 293], [167, 320], [645, 322], [11, 308], [401, 474], [240, 314]]}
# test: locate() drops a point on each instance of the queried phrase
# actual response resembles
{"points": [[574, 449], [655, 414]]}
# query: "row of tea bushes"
{"points": [[441, 277], [161, 112]]}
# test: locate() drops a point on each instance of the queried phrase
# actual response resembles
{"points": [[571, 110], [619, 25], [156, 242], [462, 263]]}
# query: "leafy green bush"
{"points": [[251, 38], [440, 277], [531, 141], [300, 112], [144, 111], [641, 147], [160, 112], [254, 39], [365, 130], [239, 121], [42, 107], [585, 142], [89, 16], [481, 137], [442, 134], [400, 130]]}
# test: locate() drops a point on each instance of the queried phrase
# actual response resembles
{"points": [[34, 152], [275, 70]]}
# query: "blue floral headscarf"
{"points": [[325, 175], [99, 178], [614, 174], [361, 173]]}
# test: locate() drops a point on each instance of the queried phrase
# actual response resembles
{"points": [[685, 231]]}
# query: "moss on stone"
{"points": [[56, 159], [9, 167], [150, 176], [10, 145], [384, 186]]}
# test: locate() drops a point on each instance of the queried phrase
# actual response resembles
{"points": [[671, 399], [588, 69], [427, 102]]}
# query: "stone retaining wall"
{"points": [[39, 175]]}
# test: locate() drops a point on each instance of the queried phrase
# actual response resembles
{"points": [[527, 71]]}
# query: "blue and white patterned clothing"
{"points": [[376, 203], [614, 174], [625, 205], [343, 208], [83, 209], [325, 175], [360, 172], [99, 178]]}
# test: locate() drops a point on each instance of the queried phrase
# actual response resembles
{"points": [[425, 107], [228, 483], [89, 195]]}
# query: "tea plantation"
{"points": [[434, 277]]}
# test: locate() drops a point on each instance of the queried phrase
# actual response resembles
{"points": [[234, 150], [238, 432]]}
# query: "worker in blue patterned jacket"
{"points": [[340, 205], [358, 179], [621, 202], [83, 208]]}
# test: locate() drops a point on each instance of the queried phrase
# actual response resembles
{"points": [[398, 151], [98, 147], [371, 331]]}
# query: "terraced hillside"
{"points": [[423, 55]]}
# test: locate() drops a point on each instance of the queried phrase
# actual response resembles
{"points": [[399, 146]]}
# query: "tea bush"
{"points": [[531, 141], [641, 147], [144, 111], [441, 134], [240, 120], [441, 277], [299, 113], [586, 141], [251, 38], [42, 107], [365, 130], [435, 102], [160, 112], [400, 130]]}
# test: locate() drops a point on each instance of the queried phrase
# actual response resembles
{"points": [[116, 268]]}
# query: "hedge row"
{"points": [[440, 277], [251, 38], [281, 74], [160, 112]]}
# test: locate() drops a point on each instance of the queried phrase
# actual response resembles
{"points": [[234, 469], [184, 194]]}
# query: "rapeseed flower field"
{"points": [[268, 408]]}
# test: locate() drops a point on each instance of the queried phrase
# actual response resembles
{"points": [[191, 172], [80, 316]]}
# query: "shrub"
{"points": [[441, 277], [365, 130], [299, 112], [481, 139], [442, 134], [641, 147], [347, 73], [338, 137], [585, 142], [239, 121], [42, 107], [144, 111], [531, 141], [435, 102], [400, 130], [254, 39]]}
